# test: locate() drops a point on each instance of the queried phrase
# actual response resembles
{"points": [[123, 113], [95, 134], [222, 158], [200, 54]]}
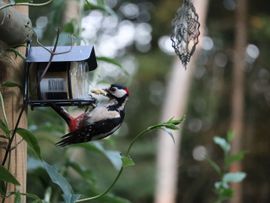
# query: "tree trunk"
{"points": [[238, 89], [12, 70], [175, 106]]}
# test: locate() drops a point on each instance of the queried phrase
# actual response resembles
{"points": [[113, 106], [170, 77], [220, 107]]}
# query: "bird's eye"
{"points": [[112, 89]]}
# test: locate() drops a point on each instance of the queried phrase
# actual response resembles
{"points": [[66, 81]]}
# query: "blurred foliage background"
{"points": [[136, 34]]}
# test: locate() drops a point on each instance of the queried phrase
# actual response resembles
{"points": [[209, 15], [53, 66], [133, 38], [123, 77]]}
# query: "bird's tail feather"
{"points": [[71, 138], [66, 140]]}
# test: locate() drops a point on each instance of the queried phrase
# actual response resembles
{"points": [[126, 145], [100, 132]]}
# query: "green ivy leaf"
{"points": [[6, 176], [59, 180], [127, 161], [30, 139], [222, 143], [234, 177]]}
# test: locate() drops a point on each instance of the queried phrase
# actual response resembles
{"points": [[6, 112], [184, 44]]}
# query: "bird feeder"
{"points": [[61, 79]]}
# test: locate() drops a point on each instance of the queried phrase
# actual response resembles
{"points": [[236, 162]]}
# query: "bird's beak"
{"points": [[100, 92]]}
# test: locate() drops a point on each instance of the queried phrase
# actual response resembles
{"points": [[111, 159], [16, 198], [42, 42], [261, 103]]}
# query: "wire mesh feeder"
{"points": [[185, 31]]}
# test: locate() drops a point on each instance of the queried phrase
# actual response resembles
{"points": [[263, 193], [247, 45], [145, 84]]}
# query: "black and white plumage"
{"points": [[100, 122]]}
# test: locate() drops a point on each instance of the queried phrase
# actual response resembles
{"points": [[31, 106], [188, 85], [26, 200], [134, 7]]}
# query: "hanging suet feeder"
{"points": [[64, 82], [185, 31]]}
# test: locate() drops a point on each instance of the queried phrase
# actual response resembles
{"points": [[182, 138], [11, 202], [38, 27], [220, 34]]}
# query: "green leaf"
{"points": [[69, 27], [59, 180], [230, 136], [113, 156], [2, 188], [172, 123], [221, 185], [222, 143], [17, 197], [30, 139], [2, 106], [4, 127], [225, 193], [234, 157], [171, 126], [176, 121], [127, 161], [99, 6], [71, 198], [48, 194], [33, 164], [234, 177], [21, 1], [6, 176], [35, 198], [113, 199], [84, 173], [10, 84], [214, 166]]}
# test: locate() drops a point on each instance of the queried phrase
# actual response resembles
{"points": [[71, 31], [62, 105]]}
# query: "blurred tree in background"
{"points": [[136, 33]]}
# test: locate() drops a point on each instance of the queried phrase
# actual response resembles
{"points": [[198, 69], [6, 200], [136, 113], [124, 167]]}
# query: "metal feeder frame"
{"points": [[67, 54]]}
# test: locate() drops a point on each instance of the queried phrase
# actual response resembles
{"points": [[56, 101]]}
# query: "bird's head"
{"points": [[115, 91]]}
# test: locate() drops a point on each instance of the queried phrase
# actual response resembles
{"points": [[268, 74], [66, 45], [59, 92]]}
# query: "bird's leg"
{"points": [[61, 112]]}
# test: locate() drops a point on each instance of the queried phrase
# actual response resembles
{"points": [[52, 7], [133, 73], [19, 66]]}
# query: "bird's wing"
{"points": [[95, 131]]}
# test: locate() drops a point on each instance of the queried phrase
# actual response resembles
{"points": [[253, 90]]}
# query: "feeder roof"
{"points": [[64, 54]]}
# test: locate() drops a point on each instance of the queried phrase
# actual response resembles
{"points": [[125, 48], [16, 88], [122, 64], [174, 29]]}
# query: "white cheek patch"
{"points": [[120, 93]]}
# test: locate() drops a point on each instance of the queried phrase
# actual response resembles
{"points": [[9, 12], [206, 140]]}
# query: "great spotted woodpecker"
{"points": [[100, 122]]}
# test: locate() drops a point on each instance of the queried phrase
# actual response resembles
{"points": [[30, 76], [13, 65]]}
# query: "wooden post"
{"points": [[12, 69]]}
